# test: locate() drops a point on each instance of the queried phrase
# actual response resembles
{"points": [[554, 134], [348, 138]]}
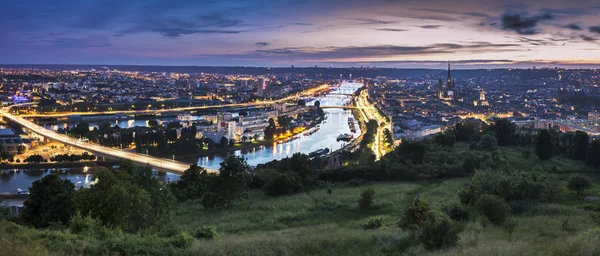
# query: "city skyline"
{"points": [[404, 34]]}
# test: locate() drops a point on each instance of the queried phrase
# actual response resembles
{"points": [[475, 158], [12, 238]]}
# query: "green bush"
{"points": [[438, 233], [415, 216], [80, 224], [366, 198], [283, 184], [579, 183], [493, 208], [373, 223], [487, 142], [510, 185], [595, 216], [206, 232], [181, 240], [210, 200], [457, 212]]}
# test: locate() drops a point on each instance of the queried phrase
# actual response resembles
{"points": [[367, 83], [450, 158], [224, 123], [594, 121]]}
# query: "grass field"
{"points": [[320, 223]]}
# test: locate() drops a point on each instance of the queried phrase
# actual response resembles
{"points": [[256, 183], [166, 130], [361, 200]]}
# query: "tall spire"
{"points": [[449, 78]]}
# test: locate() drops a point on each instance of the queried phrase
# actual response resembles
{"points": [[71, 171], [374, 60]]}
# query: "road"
{"points": [[167, 165], [369, 112]]}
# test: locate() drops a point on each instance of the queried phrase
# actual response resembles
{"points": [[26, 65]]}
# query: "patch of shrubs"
{"points": [[181, 240], [367, 196], [457, 212], [415, 216], [206, 232], [433, 230], [493, 208], [373, 223], [73, 157], [510, 185], [438, 233]]}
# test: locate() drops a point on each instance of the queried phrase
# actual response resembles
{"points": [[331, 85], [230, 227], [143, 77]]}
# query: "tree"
{"points": [[415, 216], [438, 233], [593, 154], [300, 163], [445, 139], [581, 145], [233, 180], [21, 149], [277, 183], [579, 183], [104, 127], [544, 146], [152, 123], [365, 201], [466, 131], [505, 131], [412, 150], [34, 159], [224, 141], [192, 183], [50, 201], [81, 129], [493, 208], [487, 142], [301, 102], [130, 199]]}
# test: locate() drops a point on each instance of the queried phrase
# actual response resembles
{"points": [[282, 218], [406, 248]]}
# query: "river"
{"points": [[335, 124]]}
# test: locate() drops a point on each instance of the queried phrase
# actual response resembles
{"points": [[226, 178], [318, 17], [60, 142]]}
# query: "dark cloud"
{"points": [[391, 29], [430, 26], [573, 26], [595, 29], [301, 24], [69, 42], [588, 38], [208, 23], [363, 21], [262, 44], [534, 42], [352, 52], [523, 23]]}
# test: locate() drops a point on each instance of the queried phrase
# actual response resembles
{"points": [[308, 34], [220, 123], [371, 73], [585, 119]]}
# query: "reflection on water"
{"points": [[121, 123], [12, 179], [326, 137]]}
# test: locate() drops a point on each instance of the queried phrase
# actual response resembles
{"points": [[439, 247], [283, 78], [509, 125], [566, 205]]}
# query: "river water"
{"points": [[335, 124]]}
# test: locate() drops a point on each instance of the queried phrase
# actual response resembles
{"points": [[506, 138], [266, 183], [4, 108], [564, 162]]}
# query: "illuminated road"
{"points": [[369, 112], [167, 165]]}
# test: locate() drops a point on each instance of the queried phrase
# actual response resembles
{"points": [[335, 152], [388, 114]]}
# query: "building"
{"points": [[446, 92], [262, 86], [11, 142], [594, 116]]}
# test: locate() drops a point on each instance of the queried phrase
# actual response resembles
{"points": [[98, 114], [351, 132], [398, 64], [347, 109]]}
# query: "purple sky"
{"points": [[341, 33]]}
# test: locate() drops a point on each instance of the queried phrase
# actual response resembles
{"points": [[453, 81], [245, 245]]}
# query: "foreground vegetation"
{"points": [[472, 191]]}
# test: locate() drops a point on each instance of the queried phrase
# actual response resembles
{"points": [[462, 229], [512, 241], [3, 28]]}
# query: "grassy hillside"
{"points": [[327, 221]]}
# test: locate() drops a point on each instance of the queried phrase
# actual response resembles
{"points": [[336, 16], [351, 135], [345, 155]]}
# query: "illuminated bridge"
{"points": [[157, 163]]}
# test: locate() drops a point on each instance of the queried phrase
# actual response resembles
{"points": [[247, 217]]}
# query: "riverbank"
{"points": [[31, 166]]}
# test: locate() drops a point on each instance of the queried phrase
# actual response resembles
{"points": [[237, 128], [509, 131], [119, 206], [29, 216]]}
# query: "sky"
{"points": [[338, 33]]}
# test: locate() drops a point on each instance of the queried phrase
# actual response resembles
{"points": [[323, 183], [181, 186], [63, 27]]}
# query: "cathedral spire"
{"points": [[449, 78]]}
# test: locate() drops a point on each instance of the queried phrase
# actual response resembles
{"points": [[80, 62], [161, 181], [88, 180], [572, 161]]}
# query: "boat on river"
{"points": [[345, 137], [20, 193]]}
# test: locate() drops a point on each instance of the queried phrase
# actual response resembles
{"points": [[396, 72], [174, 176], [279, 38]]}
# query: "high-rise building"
{"points": [[262, 85]]}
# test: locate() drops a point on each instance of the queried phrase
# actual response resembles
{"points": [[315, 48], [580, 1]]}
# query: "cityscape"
{"points": [[305, 128]]}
